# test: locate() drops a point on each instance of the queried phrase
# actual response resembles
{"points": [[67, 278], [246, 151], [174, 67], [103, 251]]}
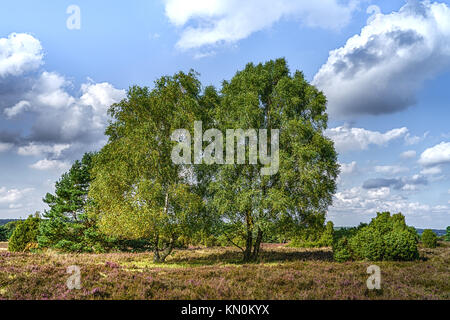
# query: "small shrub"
{"points": [[24, 235], [429, 238], [401, 245], [341, 250], [385, 238], [447, 235]]}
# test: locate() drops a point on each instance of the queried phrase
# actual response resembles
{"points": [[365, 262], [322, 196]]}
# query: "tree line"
{"points": [[130, 195]]}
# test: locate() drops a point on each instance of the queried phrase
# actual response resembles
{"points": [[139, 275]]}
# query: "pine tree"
{"points": [[67, 226]]}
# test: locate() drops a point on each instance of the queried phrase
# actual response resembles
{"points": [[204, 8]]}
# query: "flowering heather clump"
{"points": [[218, 273], [112, 265]]}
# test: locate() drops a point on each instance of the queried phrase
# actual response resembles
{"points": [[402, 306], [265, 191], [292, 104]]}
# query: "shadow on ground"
{"points": [[269, 254]]}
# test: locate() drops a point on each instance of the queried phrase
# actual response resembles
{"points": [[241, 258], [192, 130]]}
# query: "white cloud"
{"points": [[19, 107], [44, 165], [390, 169], [381, 193], [355, 205], [5, 146], [34, 149], [396, 183], [58, 118], [19, 53], [349, 168], [411, 140], [62, 117], [99, 97], [410, 187], [11, 196], [408, 154], [437, 155], [208, 22], [381, 69], [431, 170], [347, 139]]}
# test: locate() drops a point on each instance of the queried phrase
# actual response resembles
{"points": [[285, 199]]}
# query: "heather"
{"points": [[218, 273]]}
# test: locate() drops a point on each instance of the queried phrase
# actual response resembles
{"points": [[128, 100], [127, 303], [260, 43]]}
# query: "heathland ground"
{"points": [[217, 273]]}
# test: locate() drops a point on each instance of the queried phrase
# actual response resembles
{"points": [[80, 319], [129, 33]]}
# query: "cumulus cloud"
{"points": [[44, 165], [437, 155], [431, 171], [380, 70], [19, 53], [381, 183], [410, 154], [19, 107], [396, 183], [10, 197], [435, 158], [391, 169], [380, 193], [349, 168], [347, 139], [208, 22], [34, 149], [5, 146], [54, 119], [354, 205]]}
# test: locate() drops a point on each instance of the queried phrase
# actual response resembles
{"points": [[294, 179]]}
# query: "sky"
{"points": [[383, 65]]}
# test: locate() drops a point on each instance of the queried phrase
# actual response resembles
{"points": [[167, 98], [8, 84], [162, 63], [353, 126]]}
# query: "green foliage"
{"points": [[341, 250], [138, 192], [447, 235], [132, 191], [25, 234], [66, 226], [346, 232], [311, 239], [3, 234], [385, 238], [327, 237], [268, 96], [9, 228], [429, 238]]}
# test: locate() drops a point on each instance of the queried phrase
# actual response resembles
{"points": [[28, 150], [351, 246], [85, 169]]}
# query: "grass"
{"points": [[217, 273]]}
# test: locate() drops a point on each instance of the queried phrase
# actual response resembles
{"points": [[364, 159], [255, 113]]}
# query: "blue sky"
{"points": [[384, 66]]}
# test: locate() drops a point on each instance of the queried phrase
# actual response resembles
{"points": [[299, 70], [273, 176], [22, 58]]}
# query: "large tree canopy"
{"points": [[267, 96], [138, 191]]}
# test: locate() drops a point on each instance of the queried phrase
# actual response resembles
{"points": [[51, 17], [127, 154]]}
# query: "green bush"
{"points": [[385, 238], [341, 250], [25, 235], [315, 239], [7, 230], [429, 238], [401, 245], [447, 235], [3, 234]]}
